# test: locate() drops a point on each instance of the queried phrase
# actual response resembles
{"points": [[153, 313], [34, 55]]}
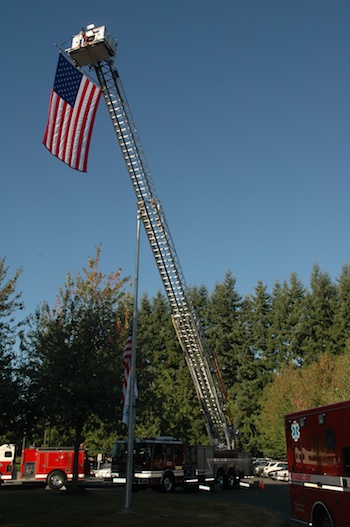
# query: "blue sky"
{"points": [[243, 111]]}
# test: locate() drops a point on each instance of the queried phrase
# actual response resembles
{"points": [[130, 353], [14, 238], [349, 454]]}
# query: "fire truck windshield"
{"points": [[141, 452]]}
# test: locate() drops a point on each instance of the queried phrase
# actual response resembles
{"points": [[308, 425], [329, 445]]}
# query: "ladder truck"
{"points": [[95, 48]]}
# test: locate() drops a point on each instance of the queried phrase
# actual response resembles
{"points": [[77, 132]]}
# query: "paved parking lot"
{"points": [[275, 496]]}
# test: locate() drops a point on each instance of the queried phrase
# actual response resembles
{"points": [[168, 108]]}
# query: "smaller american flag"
{"points": [[126, 384], [72, 110]]}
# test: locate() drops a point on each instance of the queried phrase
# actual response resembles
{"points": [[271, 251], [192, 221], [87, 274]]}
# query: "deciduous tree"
{"points": [[75, 352], [10, 304]]}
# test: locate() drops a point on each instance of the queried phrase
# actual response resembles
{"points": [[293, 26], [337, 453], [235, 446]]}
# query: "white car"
{"points": [[268, 466], [280, 465], [281, 475], [103, 472], [259, 466]]}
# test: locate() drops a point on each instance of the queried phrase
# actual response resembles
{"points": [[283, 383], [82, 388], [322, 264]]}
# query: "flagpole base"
{"points": [[128, 511]]}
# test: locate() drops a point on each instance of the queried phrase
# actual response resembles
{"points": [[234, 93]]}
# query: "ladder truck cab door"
{"points": [[168, 458]]}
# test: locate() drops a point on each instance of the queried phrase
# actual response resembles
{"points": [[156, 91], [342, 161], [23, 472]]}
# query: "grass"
{"points": [[105, 508]]}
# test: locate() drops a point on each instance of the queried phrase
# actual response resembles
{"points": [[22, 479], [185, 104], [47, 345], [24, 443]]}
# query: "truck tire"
{"points": [[168, 482], [231, 479], [221, 478], [326, 522], [321, 517], [56, 479]]}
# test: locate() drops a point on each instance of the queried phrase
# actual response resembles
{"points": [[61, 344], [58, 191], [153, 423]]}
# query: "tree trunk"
{"points": [[77, 444]]}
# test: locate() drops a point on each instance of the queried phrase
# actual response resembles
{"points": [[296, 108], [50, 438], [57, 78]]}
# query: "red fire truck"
{"points": [[164, 462], [318, 450], [54, 466]]}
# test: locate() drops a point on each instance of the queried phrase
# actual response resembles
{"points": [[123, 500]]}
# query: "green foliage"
{"points": [[10, 304], [225, 332], [321, 307], [73, 370], [288, 323], [254, 365], [167, 404], [341, 330], [275, 403], [276, 353], [100, 438], [323, 381]]}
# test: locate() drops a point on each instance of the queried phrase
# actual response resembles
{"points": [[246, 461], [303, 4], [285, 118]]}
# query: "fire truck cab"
{"points": [[7, 459], [158, 462], [318, 451]]}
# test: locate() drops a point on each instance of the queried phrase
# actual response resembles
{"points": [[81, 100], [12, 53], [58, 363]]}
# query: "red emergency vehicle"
{"points": [[318, 451], [54, 466]]}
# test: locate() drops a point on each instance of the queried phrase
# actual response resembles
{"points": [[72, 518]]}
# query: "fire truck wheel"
{"points": [[56, 480], [231, 479], [326, 522], [220, 478], [168, 482]]}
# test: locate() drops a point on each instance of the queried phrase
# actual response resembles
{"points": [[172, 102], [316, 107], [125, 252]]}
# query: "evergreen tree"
{"points": [[167, 402], [296, 320], [258, 324], [321, 307], [199, 299], [246, 406], [279, 330], [254, 366], [288, 325], [341, 330], [225, 332], [151, 342]]}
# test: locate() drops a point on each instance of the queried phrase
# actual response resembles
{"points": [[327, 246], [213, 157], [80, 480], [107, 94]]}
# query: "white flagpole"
{"points": [[132, 377]]}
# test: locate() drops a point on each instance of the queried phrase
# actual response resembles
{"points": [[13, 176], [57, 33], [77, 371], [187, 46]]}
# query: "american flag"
{"points": [[126, 384], [72, 109]]}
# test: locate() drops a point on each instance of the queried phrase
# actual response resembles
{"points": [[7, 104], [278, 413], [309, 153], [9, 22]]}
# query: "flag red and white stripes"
{"points": [[126, 384], [72, 110]]}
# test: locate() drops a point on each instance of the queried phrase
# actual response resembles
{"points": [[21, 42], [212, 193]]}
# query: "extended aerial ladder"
{"points": [[96, 48]]}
